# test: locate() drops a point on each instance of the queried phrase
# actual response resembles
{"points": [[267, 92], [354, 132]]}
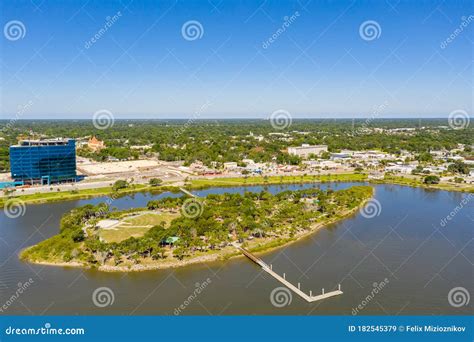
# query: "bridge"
{"points": [[296, 289], [188, 193]]}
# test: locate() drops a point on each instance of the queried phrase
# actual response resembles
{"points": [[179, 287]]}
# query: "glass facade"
{"points": [[43, 161]]}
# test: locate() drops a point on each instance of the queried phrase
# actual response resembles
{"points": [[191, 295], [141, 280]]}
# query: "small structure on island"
{"points": [[171, 240]]}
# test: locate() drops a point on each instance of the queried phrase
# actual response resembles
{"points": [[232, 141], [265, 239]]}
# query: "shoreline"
{"points": [[223, 182], [418, 184], [223, 255], [51, 197]]}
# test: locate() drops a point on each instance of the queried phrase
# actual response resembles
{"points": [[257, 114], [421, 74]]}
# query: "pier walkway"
{"points": [[296, 289]]}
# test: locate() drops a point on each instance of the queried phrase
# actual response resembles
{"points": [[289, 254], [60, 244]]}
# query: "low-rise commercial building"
{"points": [[305, 150]]}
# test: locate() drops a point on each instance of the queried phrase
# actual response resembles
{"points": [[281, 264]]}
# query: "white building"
{"points": [[230, 165], [248, 161], [306, 150], [406, 169]]}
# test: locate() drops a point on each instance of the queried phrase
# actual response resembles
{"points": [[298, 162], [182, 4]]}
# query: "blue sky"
{"points": [[319, 65]]}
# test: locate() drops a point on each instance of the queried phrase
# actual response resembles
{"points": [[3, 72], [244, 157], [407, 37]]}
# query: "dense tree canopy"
{"points": [[233, 140], [220, 219]]}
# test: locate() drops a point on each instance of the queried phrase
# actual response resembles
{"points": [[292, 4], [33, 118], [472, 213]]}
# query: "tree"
{"points": [[119, 184], [155, 182], [325, 155], [431, 179], [459, 167], [425, 157], [417, 170]]}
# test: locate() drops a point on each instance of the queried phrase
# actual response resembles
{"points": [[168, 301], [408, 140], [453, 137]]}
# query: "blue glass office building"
{"points": [[43, 161]]}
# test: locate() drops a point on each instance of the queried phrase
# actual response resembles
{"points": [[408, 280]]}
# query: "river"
{"points": [[404, 260]]}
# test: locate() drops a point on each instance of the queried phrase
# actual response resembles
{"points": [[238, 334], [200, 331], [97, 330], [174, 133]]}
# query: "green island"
{"points": [[172, 232]]}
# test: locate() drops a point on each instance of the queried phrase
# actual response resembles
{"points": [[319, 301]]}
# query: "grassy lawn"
{"points": [[121, 233], [135, 226], [149, 219], [255, 180]]}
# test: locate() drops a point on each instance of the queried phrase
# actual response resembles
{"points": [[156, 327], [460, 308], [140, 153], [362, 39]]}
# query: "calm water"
{"points": [[405, 243]]}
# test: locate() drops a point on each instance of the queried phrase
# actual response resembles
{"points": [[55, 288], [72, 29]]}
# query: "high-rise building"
{"points": [[43, 161]]}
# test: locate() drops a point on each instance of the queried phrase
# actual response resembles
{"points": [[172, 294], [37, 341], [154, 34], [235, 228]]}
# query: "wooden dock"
{"points": [[296, 289]]}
